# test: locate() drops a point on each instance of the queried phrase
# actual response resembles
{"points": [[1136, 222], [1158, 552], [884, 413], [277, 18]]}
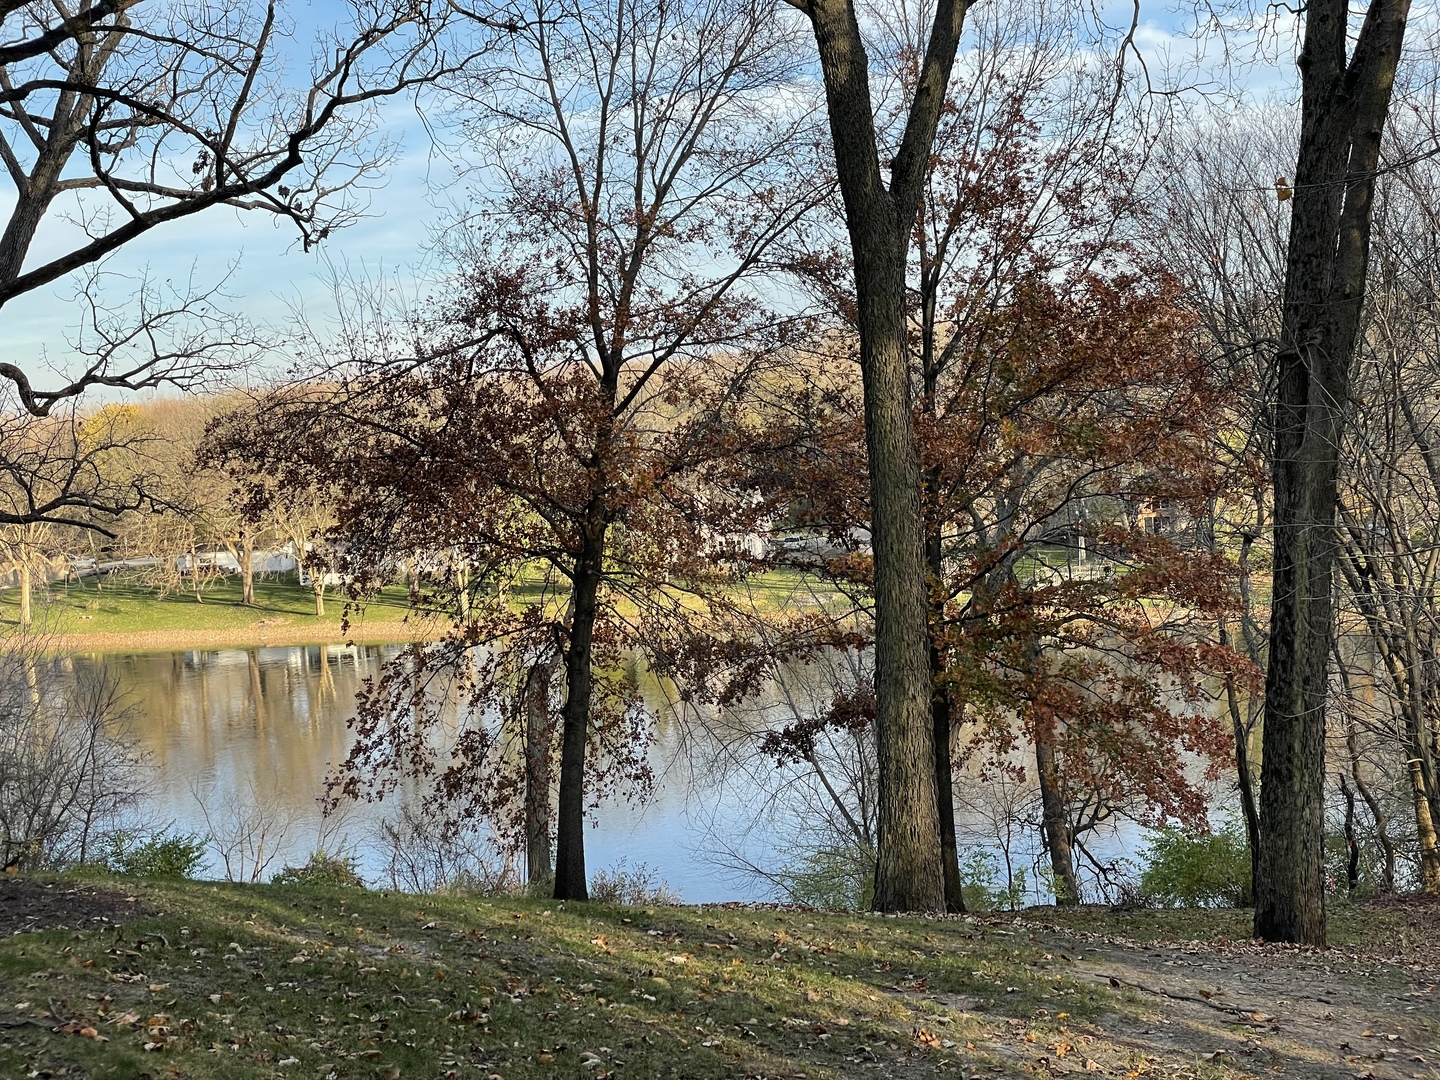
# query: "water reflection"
{"points": [[234, 731], [244, 737]]}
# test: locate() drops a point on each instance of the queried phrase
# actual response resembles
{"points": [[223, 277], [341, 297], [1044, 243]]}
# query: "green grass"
{"points": [[261, 981], [126, 604], [1348, 924]]}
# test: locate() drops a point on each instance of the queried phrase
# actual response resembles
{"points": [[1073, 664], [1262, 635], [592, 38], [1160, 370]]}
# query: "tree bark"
{"points": [[26, 574], [570, 880], [1425, 833], [247, 568], [908, 874], [1343, 111], [538, 732], [1055, 825], [942, 725]]}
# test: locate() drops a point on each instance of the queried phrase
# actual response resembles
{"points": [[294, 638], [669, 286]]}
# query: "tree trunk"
{"points": [[908, 874], [1377, 812], [538, 734], [317, 586], [25, 588], [1244, 771], [1343, 111], [1382, 831], [247, 568], [1054, 823], [1352, 845], [1425, 833], [257, 687], [942, 725], [570, 881], [194, 571]]}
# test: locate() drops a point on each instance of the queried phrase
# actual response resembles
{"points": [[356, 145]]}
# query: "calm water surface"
{"points": [[250, 735], [233, 730]]}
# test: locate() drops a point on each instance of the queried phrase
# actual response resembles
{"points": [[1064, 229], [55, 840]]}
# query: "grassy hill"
{"points": [[105, 977]]}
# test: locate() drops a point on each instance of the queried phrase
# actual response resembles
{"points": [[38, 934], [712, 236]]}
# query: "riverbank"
{"points": [[125, 613], [127, 977]]}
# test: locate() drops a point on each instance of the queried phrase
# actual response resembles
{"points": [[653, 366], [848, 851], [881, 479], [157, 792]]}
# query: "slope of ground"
{"points": [[118, 978]]}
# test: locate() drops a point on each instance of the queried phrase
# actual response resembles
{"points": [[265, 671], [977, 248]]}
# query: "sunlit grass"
{"points": [[128, 604]]}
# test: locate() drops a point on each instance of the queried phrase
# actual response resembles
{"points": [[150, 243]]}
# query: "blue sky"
{"points": [[268, 271]]}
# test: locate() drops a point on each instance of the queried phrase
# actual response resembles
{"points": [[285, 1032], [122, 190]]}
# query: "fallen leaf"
{"points": [[926, 1038]]}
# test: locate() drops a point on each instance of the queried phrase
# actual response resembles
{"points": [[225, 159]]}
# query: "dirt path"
{"points": [[1241, 1008]]}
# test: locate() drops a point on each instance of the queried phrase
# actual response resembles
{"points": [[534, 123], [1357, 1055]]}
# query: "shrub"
{"points": [[420, 856], [68, 774], [158, 855], [636, 888], [322, 869], [841, 877], [981, 887], [1198, 871]]}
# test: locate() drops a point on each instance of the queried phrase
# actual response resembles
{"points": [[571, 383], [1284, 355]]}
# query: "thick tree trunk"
{"points": [[1343, 111], [908, 875], [538, 733], [1054, 823], [570, 880], [318, 588]]}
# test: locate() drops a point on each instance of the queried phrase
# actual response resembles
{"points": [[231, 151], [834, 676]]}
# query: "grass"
{"points": [[1369, 924], [202, 981], [126, 604], [229, 981]]}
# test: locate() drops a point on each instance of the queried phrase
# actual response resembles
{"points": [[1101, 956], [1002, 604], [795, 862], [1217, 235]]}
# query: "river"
{"points": [[244, 739]]}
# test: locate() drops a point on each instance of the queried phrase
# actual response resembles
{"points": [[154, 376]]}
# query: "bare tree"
{"points": [[121, 116], [118, 117], [66, 772]]}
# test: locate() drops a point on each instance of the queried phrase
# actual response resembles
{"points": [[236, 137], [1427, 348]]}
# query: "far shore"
{"points": [[128, 614], [255, 636]]}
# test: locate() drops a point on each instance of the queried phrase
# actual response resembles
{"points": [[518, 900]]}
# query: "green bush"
{"points": [[158, 855], [1182, 870], [980, 883], [840, 877], [322, 869]]}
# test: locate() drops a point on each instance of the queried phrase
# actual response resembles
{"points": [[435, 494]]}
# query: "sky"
{"points": [[266, 275]]}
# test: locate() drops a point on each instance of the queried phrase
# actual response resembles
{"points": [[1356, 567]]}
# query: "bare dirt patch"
{"points": [[1365, 1011], [31, 905]]}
